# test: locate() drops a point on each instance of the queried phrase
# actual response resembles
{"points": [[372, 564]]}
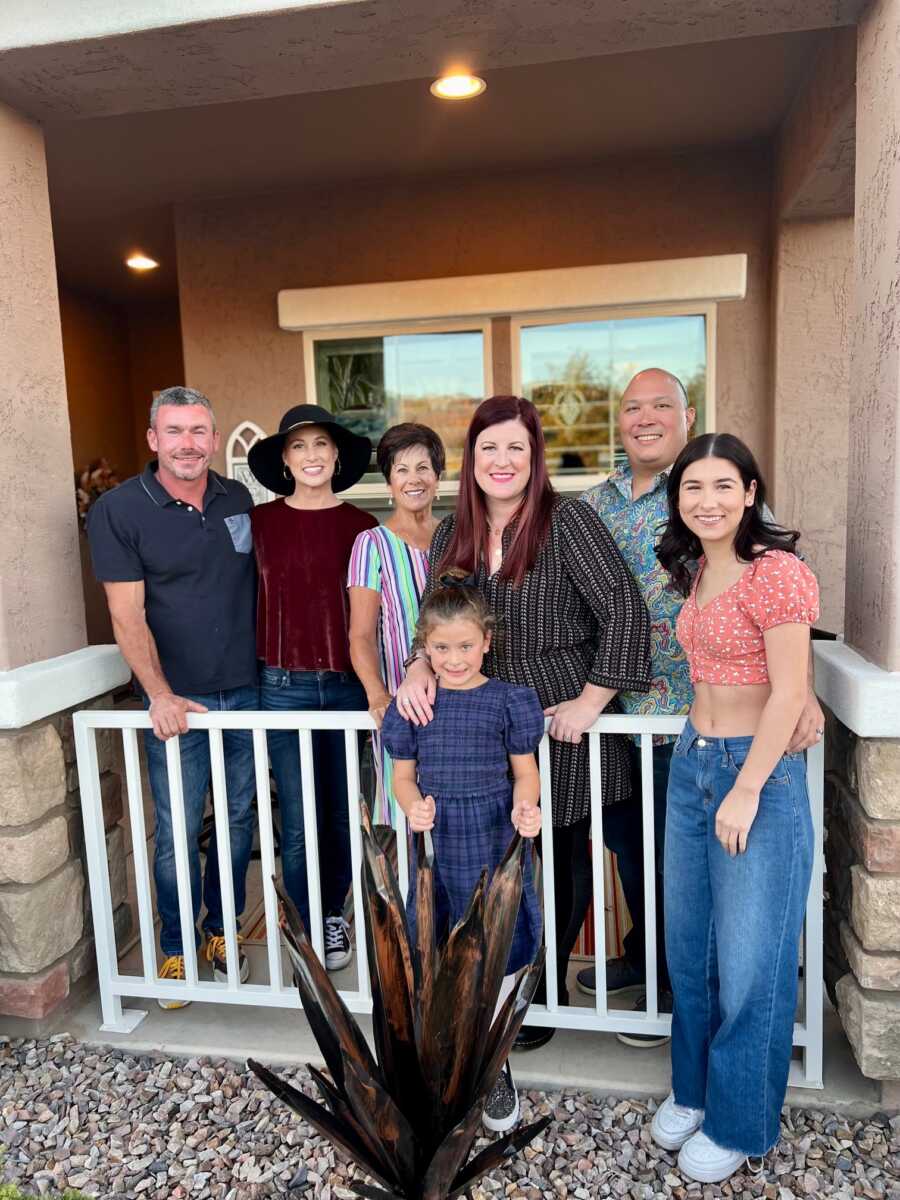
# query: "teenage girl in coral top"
{"points": [[739, 837]]}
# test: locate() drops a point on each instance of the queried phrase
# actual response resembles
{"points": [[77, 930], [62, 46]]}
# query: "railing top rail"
{"points": [[134, 718]]}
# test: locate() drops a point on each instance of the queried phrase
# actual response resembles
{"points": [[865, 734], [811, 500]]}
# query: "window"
{"points": [[372, 380], [574, 368], [567, 338]]}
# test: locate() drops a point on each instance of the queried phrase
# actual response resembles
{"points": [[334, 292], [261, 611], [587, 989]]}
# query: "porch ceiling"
{"points": [[90, 60], [113, 180]]}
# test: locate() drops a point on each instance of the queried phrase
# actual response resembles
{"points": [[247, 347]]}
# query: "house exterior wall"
{"points": [[234, 256], [155, 362], [41, 609], [812, 301], [98, 385], [873, 514]]}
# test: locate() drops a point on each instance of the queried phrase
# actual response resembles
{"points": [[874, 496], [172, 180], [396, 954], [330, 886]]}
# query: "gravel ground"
{"points": [[116, 1124]]}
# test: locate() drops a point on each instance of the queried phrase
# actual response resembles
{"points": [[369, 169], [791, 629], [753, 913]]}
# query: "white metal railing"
{"points": [[276, 992]]}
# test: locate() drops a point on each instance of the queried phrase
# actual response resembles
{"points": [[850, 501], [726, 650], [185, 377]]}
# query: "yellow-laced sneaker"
{"points": [[172, 968], [216, 953]]}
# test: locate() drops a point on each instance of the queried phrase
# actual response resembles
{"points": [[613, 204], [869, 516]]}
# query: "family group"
{"points": [[667, 589]]}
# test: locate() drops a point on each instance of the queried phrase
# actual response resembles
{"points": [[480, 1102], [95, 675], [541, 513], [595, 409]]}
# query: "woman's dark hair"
{"points": [[469, 543], [455, 596], [678, 547], [403, 437]]}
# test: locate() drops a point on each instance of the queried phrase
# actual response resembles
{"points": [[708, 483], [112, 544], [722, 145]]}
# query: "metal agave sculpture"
{"points": [[409, 1114]]}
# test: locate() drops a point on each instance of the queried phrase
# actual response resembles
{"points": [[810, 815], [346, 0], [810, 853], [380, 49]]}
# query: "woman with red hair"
{"points": [[571, 623]]}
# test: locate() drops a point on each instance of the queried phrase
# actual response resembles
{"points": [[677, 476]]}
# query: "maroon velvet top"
{"points": [[303, 614]]}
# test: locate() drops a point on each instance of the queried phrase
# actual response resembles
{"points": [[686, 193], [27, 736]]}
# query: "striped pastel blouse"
{"points": [[383, 562]]}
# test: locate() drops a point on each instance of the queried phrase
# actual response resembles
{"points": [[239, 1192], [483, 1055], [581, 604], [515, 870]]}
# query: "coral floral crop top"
{"points": [[723, 640]]}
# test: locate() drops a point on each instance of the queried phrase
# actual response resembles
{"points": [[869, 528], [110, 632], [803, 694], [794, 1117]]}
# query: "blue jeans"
{"points": [[623, 834], [240, 784], [732, 936], [312, 691]]}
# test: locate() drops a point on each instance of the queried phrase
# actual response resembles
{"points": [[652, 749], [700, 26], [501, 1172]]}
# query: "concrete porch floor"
{"points": [[595, 1062]]}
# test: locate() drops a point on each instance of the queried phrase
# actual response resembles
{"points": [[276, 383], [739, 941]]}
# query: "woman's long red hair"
{"points": [[469, 544]]}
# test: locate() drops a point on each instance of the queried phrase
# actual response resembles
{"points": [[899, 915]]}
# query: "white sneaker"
{"points": [[501, 1109], [338, 951], [673, 1124], [701, 1159]]}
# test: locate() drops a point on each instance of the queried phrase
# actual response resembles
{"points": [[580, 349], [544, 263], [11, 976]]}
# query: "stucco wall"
{"points": [[95, 346], [873, 516], [234, 256], [41, 608], [156, 362], [813, 297]]}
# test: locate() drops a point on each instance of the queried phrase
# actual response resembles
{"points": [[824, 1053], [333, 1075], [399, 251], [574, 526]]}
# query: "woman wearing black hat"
{"points": [[302, 544]]}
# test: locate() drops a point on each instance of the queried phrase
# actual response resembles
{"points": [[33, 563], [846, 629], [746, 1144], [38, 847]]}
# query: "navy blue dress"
{"points": [[463, 762]]}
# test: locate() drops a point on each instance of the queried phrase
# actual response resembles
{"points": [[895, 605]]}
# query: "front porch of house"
{"points": [[801, 183]]}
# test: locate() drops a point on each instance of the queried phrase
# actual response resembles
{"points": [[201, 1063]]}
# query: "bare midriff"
{"points": [[728, 711]]}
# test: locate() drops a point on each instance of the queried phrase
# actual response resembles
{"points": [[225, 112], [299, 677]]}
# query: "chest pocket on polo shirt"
{"points": [[241, 533]]}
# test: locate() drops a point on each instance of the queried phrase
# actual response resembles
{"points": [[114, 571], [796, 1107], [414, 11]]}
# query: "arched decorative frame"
{"points": [[242, 437]]}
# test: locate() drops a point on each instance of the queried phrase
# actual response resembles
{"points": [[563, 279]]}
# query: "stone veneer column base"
{"points": [[46, 942], [862, 855]]}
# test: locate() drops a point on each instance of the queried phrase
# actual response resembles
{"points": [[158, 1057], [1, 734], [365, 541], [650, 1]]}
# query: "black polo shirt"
{"points": [[198, 570]]}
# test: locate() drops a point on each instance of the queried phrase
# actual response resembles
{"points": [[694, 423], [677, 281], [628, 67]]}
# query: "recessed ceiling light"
{"points": [[457, 87], [140, 262]]}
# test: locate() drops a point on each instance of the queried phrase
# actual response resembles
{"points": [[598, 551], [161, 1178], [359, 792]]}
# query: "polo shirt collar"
{"points": [[621, 479], [159, 495]]}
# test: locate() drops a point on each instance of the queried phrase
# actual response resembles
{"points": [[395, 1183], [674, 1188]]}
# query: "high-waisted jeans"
{"points": [[732, 939], [305, 691]]}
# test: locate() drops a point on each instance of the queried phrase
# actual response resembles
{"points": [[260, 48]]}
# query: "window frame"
{"points": [[576, 484], [375, 491]]}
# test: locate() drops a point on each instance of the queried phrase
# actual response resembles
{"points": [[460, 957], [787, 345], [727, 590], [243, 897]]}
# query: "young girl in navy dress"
{"points": [[470, 777]]}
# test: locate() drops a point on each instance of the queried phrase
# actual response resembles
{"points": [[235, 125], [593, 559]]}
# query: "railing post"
{"points": [[598, 871], [813, 953], [223, 848], [649, 842], [267, 856], [115, 1018], [311, 840], [351, 755], [548, 868]]}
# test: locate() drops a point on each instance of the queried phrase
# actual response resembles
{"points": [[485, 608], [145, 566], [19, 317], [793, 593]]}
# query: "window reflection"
{"points": [[575, 371], [432, 377]]}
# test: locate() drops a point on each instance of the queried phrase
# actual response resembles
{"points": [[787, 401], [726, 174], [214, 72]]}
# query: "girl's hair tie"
{"points": [[451, 580]]}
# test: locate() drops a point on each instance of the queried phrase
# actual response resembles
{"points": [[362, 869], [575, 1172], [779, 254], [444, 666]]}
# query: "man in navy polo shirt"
{"points": [[173, 549]]}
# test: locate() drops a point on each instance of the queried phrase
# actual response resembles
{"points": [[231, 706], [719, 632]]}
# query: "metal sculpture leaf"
{"points": [[409, 1114]]}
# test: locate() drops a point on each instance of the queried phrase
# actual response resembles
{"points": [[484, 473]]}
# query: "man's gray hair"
{"points": [[180, 396]]}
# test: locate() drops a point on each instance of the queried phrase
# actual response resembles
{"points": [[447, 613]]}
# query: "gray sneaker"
{"points": [[620, 976], [338, 950], [501, 1110], [645, 1041]]}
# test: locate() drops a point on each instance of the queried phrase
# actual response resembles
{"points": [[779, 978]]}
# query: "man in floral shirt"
{"points": [[655, 419]]}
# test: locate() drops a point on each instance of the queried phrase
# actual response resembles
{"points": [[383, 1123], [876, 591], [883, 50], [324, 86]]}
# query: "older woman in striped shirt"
{"points": [[386, 578]]}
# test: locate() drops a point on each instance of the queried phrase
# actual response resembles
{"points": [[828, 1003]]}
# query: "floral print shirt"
{"points": [[635, 526]]}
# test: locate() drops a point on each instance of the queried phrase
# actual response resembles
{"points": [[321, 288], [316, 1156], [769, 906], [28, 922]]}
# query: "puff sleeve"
{"points": [[782, 591], [524, 721], [399, 736]]}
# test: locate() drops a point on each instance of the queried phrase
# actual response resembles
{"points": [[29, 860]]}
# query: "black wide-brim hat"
{"points": [[354, 451]]}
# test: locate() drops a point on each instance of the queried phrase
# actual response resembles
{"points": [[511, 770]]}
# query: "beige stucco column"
{"points": [[45, 943], [872, 621], [860, 681], [41, 601]]}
